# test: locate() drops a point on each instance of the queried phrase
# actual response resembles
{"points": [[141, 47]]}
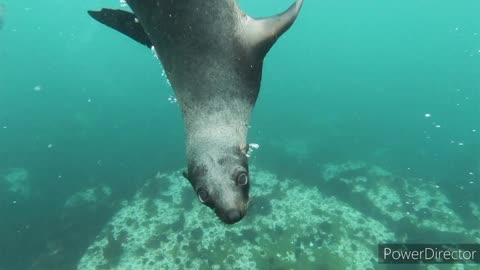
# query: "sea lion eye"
{"points": [[202, 195], [242, 179]]}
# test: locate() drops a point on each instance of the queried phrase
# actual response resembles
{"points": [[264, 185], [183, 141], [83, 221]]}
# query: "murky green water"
{"points": [[377, 90]]}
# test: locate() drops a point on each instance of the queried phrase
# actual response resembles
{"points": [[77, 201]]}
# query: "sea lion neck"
{"points": [[217, 128]]}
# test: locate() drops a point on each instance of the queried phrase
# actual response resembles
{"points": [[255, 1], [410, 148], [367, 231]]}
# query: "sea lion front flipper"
{"points": [[262, 33], [124, 22]]}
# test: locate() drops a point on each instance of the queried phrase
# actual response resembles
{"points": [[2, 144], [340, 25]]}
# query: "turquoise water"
{"points": [[390, 84]]}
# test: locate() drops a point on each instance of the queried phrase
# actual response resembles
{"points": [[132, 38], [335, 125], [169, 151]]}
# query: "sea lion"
{"points": [[212, 53]]}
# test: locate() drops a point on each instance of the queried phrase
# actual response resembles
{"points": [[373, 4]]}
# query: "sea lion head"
{"points": [[221, 181]]}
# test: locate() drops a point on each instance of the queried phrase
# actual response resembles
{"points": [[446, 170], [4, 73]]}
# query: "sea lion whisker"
{"points": [[250, 201]]}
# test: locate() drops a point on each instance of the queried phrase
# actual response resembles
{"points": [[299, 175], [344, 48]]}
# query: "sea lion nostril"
{"points": [[234, 216]]}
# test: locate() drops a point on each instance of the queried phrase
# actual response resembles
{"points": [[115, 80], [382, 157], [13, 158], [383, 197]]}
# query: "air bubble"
{"points": [[172, 99]]}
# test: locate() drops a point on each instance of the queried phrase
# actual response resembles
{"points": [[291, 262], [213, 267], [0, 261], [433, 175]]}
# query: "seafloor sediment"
{"points": [[289, 226]]}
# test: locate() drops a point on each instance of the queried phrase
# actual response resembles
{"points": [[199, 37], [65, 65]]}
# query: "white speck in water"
{"points": [[437, 126], [471, 173], [437, 186], [123, 3], [456, 28], [89, 100], [50, 145], [460, 144], [38, 88], [474, 130], [427, 115], [4, 127]]}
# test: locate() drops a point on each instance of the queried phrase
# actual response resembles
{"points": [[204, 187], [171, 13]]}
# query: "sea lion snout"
{"points": [[229, 203], [227, 199], [231, 216], [234, 216]]}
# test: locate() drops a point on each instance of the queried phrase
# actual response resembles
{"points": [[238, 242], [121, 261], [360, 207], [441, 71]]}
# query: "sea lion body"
{"points": [[212, 53]]}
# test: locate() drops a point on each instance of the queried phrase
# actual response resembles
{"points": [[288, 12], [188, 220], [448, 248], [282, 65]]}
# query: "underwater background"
{"points": [[360, 102]]}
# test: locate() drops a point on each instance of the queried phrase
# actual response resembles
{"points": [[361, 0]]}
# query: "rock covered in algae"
{"points": [[17, 181], [418, 202], [289, 225], [89, 197]]}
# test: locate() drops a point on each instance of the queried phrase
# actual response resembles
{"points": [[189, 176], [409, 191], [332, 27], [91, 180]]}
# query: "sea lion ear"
{"points": [[185, 174], [262, 33], [244, 148]]}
